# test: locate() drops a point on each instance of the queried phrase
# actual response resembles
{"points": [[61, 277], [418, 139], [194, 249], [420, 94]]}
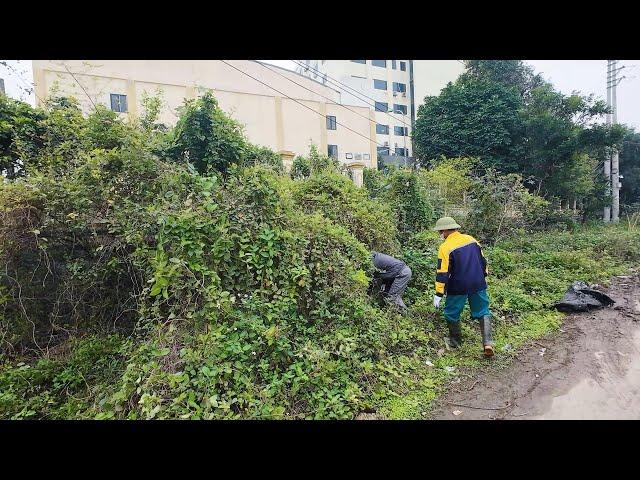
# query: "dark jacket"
{"points": [[391, 266], [462, 267]]}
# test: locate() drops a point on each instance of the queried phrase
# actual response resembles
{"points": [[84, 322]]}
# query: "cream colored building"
{"points": [[312, 114]]}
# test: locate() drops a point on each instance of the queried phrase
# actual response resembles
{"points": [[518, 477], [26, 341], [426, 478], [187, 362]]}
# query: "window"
{"points": [[379, 84], [359, 61], [393, 64], [399, 108], [401, 131], [399, 87], [382, 129], [403, 152], [382, 107], [331, 122], [379, 63], [118, 102], [403, 66], [383, 150], [332, 151]]}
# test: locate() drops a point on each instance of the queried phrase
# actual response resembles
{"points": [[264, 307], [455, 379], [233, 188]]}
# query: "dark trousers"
{"points": [[395, 287]]}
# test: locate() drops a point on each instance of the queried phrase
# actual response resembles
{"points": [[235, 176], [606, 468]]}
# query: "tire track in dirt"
{"points": [[589, 370]]}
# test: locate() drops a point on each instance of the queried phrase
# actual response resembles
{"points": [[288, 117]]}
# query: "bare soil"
{"points": [[590, 369]]}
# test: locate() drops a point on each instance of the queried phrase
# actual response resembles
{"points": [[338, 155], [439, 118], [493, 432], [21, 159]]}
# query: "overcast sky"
{"points": [[585, 76]]}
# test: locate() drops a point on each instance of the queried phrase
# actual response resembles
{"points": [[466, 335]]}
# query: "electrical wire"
{"points": [[308, 67], [351, 91], [307, 107], [334, 103]]}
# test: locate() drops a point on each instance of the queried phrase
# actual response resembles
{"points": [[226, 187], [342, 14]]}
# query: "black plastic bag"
{"points": [[581, 297]]}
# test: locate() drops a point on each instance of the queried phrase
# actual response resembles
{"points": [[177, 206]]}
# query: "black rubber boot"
{"points": [[485, 329], [455, 334]]}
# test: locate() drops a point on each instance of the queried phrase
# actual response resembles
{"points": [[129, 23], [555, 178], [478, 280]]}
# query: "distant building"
{"points": [[2, 86], [393, 88], [312, 114]]}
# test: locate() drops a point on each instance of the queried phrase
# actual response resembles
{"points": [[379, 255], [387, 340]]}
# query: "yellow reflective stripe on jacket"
{"points": [[454, 241]]}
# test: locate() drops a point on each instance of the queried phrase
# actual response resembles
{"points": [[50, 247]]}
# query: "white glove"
{"points": [[436, 301]]}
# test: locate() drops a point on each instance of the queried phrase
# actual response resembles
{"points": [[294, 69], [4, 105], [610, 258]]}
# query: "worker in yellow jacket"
{"points": [[460, 276]]}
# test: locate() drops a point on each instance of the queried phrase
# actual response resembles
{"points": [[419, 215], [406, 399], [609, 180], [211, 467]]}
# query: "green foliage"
{"points": [[319, 163], [133, 287], [21, 135], [630, 169], [502, 113], [206, 137], [338, 199], [501, 206], [451, 178], [74, 384], [414, 205], [472, 118], [264, 156], [301, 168], [410, 195]]}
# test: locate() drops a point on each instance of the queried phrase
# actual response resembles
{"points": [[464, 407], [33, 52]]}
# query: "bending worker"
{"points": [[460, 275], [396, 275]]}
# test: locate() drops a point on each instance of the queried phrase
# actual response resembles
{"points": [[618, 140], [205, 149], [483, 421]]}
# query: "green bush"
{"points": [[206, 137], [133, 285], [414, 203], [301, 168], [337, 198]]}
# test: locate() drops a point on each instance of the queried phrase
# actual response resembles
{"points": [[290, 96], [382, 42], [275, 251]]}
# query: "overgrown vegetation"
{"points": [[181, 273], [511, 120]]}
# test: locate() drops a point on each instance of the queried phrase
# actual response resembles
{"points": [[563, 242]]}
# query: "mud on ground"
{"points": [[590, 369]]}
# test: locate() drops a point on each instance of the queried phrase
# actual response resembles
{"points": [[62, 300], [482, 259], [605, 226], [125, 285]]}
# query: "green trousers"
{"points": [[478, 302]]}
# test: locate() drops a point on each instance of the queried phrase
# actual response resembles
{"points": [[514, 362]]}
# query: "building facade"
{"points": [[394, 89], [278, 108]]}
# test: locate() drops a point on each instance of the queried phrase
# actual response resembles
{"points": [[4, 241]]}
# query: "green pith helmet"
{"points": [[446, 223]]}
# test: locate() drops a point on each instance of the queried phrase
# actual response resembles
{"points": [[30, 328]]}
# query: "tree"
{"points": [[472, 117], [508, 72], [512, 120], [630, 169], [207, 137], [21, 135], [563, 145]]}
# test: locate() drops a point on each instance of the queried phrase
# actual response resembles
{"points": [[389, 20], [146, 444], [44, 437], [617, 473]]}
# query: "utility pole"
{"points": [[615, 164], [607, 160], [615, 161]]}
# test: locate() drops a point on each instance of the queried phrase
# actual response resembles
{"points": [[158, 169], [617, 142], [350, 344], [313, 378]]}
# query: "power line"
{"points": [[307, 107], [351, 91], [319, 94], [296, 101], [334, 103], [440, 150], [85, 92], [302, 65]]}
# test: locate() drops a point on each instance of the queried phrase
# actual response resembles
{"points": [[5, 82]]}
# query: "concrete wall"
{"points": [[269, 118]]}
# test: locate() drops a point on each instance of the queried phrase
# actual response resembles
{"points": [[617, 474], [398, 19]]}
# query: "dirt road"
{"points": [[588, 370]]}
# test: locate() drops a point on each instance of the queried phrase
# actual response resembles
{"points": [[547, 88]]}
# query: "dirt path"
{"points": [[589, 370]]}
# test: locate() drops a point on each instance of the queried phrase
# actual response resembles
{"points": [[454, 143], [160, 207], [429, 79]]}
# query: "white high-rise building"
{"points": [[394, 89]]}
